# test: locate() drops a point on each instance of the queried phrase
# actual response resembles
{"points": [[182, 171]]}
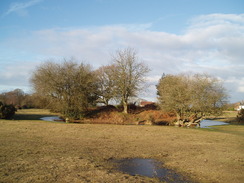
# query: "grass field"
{"points": [[37, 151]]}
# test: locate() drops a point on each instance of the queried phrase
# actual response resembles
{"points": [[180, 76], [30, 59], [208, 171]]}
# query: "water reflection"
{"points": [[149, 168], [52, 118], [210, 123]]}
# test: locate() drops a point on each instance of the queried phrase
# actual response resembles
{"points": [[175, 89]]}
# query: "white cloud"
{"points": [[241, 89], [212, 44], [153, 79], [20, 8], [16, 75], [211, 20]]}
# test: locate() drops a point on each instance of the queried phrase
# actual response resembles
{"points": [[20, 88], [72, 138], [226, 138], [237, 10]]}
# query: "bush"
{"points": [[6, 111], [240, 116]]}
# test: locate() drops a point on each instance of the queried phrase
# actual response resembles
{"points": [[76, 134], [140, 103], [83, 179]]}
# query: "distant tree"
{"points": [[15, 97], [106, 83], [3, 97], [40, 101], [68, 87], [29, 102], [129, 75], [191, 96]]}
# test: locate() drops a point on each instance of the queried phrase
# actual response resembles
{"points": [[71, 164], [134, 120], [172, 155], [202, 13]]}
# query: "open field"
{"points": [[37, 151]]}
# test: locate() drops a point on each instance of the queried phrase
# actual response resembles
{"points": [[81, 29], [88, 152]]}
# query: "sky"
{"points": [[170, 36]]}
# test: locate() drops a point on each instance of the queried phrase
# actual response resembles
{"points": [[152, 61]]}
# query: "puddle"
{"points": [[149, 168], [52, 118], [211, 123]]}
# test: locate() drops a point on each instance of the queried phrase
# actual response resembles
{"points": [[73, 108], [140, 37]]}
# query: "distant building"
{"points": [[240, 106], [144, 103]]}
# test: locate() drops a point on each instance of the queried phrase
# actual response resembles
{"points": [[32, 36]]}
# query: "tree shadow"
{"points": [[30, 116]]}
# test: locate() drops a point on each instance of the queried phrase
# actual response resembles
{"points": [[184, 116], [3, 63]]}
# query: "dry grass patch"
{"points": [[37, 151], [111, 115]]}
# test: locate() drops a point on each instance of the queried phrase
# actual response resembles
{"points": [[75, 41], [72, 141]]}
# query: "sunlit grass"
{"points": [[37, 151]]}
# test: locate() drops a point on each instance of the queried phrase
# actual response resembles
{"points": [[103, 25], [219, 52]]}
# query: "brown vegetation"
{"points": [[148, 115], [18, 98]]}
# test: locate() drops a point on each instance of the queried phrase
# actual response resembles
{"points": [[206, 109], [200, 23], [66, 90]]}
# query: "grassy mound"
{"points": [[137, 115]]}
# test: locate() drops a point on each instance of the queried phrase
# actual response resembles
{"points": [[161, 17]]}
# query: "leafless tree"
{"points": [[129, 75], [106, 83], [16, 97]]}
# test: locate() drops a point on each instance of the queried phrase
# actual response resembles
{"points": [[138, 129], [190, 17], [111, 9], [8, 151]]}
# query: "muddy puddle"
{"points": [[149, 168]]}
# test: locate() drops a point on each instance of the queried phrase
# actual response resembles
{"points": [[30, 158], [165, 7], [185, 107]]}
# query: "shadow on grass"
{"points": [[230, 129]]}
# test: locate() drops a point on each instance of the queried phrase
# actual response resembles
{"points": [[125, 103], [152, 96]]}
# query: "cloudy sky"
{"points": [[170, 36]]}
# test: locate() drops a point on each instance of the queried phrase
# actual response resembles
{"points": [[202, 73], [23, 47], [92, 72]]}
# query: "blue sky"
{"points": [[173, 36]]}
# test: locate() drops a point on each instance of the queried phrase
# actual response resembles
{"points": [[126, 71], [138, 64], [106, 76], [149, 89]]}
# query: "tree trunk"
{"points": [[178, 117], [196, 121], [125, 107], [179, 121], [106, 102]]}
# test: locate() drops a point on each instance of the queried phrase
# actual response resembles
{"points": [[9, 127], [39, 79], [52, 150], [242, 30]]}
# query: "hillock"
{"points": [[149, 114]]}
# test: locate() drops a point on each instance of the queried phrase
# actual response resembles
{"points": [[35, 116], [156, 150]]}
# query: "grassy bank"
{"points": [[38, 151], [227, 116], [33, 114]]}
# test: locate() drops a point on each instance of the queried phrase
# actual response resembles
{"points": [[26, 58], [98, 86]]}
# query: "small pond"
{"points": [[149, 168], [211, 123], [52, 118]]}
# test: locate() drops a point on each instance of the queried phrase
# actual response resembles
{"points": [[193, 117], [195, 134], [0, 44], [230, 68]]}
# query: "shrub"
{"points": [[240, 116], [6, 111]]}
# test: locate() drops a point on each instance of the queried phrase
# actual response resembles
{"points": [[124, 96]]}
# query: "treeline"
{"points": [[22, 100], [11, 101], [18, 98], [71, 88]]}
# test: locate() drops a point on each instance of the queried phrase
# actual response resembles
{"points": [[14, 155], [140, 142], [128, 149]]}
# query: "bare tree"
{"points": [[129, 75], [69, 87], [15, 97], [191, 96], [106, 83]]}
